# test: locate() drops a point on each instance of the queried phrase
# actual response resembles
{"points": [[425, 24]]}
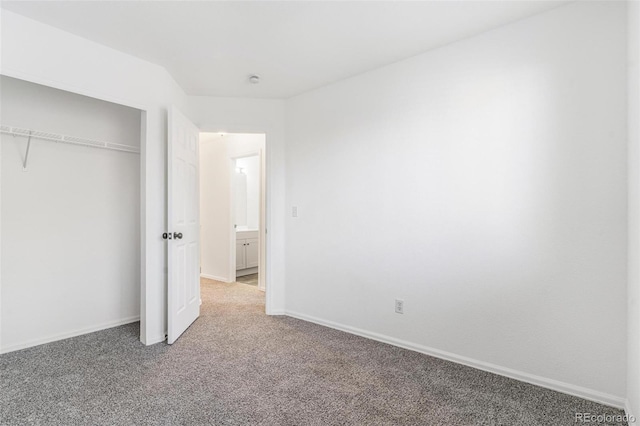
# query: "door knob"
{"points": [[170, 236]]}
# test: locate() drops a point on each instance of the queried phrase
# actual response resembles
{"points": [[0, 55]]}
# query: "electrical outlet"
{"points": [[399, 306], [294, 211]]}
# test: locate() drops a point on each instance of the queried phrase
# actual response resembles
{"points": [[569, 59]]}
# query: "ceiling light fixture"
{"points": [[254, 79]]}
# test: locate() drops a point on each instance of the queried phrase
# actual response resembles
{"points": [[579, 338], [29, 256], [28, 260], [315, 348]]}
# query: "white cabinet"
{"points": [[251, 253], [241, 258], [247, 250]]}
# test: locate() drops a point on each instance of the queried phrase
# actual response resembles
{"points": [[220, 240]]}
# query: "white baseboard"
{"points": [[629, 412], [69, 334], [579, 391], [276, 312], [215, 277]]}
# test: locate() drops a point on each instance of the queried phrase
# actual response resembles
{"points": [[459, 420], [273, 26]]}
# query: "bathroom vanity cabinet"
{"points": [[247, 251]]}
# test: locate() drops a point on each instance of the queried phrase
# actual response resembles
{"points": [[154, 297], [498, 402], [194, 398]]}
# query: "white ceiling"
{"points": [[211, 48]]}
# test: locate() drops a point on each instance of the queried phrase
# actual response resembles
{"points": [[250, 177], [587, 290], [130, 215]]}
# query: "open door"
{"points": [[183, 235]]}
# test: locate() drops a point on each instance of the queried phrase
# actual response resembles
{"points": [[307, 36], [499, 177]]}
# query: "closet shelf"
{"points": [[36, 134]]}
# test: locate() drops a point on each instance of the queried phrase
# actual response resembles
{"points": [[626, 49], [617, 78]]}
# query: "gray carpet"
{"points": [[236, 366]]}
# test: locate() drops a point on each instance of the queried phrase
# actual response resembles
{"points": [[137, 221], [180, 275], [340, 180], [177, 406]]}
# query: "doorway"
{"points": [[246, 190], [233, 207]]}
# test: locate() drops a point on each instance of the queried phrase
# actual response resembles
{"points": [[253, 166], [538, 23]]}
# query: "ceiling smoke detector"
{"points": [[254, 79]]}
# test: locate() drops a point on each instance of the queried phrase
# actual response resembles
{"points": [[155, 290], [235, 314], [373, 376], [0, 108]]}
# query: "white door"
{"points": [[183, 296]]}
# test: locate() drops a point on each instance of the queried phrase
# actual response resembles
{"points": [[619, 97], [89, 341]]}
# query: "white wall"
{"points": [[215, 198], [71, 222], [485, 184], [42, 54], [633, 325], [248, 201], [214, 206], [234, 115]]}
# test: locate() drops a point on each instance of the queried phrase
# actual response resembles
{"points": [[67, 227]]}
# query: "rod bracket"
{"points": [[26, 154]]}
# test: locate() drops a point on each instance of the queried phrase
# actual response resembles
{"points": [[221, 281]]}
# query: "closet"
{"points": [[69, 214]]}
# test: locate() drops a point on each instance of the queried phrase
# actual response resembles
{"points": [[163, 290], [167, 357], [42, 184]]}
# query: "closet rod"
{"points": [[36, 134]]}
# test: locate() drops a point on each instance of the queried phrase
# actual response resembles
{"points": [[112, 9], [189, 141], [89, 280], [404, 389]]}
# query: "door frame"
{"points": [[262, 282]]}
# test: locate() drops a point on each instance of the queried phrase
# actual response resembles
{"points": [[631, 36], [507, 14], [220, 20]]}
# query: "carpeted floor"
{"points": [[236, 366]]}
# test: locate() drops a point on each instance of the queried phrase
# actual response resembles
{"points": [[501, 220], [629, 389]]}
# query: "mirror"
{"points": [[247, 193]]}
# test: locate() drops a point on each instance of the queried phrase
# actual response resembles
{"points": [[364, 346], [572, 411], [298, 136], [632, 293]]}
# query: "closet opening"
{"points": [[70, 214]]}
